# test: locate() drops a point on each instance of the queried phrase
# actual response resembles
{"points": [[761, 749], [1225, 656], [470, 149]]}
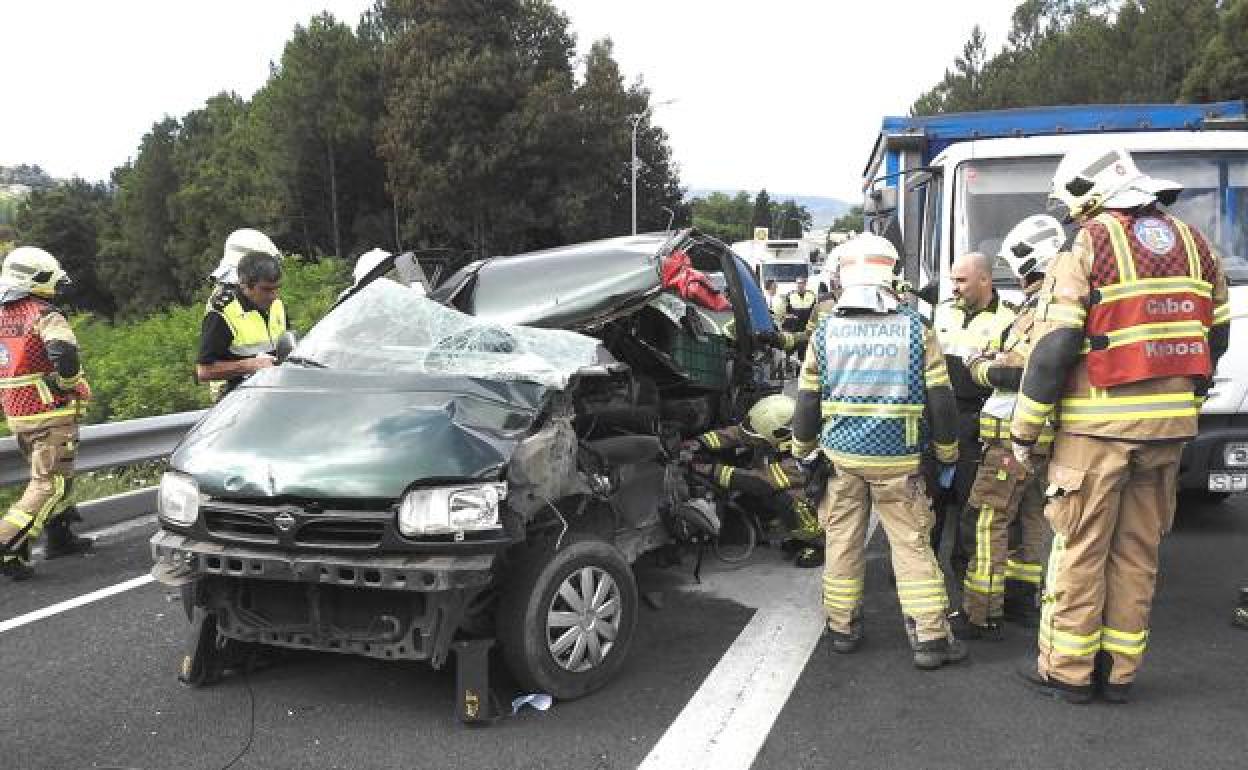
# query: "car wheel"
{"points": [[567, 617]]}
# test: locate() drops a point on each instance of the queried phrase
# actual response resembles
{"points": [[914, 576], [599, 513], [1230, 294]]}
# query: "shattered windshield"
{"points": [[387, 327]]}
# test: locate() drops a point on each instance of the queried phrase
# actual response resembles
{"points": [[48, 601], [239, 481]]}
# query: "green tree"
{"points": [[222, 186], [850, 221], [762, 210], [473, 131], [66, 220], [1221, 71], [1079, 52], [319, 113], [135, 267], [595, 198], [723, 216], [791, 219]]}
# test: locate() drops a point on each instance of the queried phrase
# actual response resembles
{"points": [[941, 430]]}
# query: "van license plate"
{"points": [[1228, 482]]}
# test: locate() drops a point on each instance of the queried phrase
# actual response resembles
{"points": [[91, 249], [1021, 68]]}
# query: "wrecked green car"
{"points": [[483, 463]]}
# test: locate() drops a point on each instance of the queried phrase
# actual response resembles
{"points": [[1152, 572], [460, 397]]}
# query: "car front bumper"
{"points": [[402, 606]]}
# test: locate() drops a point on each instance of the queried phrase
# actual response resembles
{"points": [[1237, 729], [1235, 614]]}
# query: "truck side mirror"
{"points": [[285, 344], [880, 201], [929, 293]]}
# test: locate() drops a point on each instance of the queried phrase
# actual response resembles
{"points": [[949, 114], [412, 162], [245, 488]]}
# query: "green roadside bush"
{"points": [[147, 367]]}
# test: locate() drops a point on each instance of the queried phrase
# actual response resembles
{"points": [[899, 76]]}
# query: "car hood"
{"points": [[324, 434]]}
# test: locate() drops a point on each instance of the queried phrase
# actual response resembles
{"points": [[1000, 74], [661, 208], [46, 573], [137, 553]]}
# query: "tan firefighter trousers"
{"points": [[905, 512], [1110, 502], [1003, 491], [51, 453]]}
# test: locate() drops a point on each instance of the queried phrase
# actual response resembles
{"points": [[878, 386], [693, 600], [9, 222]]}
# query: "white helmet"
{"points": [[1030, 247], [238, 245], [33, 270], [866, 265], [368, 262], [1092, 178]]}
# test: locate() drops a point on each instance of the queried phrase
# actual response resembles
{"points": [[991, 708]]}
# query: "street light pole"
{"points": [[636, 120]]}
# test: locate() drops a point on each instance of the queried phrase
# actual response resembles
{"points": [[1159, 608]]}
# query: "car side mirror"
{"points": [[285, 344]]}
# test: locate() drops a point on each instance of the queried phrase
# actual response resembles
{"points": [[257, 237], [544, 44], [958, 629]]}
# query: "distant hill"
{"points": [[27, 176], [824, 211]]}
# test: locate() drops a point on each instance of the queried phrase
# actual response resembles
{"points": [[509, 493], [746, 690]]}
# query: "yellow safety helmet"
{"points": [[771, 419], [34, 270]]}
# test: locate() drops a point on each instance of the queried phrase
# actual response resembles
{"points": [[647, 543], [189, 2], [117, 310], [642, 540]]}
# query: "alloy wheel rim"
{"points": [[583, 619]]}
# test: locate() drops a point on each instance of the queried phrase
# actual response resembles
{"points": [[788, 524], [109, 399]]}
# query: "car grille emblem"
{"points": [[284, 521]]}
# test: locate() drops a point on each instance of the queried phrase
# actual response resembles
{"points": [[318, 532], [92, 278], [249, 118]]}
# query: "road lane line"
{"points": [[726, 722], [74, 603]]}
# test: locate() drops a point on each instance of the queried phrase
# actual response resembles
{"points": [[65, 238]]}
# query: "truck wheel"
{"points": [[567, 617]]}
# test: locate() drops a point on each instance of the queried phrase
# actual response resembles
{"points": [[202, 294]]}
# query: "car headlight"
{"points": [[451, 510], [179, 499], [1235, 455]]}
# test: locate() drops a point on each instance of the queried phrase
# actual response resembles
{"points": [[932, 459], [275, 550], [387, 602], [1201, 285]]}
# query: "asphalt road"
{"points": [[94, 686]]}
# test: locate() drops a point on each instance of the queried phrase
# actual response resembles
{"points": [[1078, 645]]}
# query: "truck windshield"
{"points": [[994, 194], [784, 272]]}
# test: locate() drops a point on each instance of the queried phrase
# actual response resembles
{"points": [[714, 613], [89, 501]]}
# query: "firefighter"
{"points": [[1000, 581], [1129, 326], [239, 332], [43, 392], [875, 374], [778, 485], [975, 319]]}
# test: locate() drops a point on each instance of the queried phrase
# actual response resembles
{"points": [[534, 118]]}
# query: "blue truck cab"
{"points": [[944, 185]]}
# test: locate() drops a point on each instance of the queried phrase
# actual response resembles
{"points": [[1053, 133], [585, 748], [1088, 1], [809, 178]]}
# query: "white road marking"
{"points": [[725, 723], [77, 601]]}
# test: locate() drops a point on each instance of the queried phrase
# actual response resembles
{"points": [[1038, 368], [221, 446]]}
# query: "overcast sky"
{"points": [[783, 94]]}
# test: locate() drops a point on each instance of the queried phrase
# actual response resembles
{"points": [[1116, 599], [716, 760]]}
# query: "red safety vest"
{"points": [[1151, 302], [24, 363]]}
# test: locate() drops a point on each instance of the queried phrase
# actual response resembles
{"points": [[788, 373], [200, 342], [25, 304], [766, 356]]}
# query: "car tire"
{"points": [[545, 646]]}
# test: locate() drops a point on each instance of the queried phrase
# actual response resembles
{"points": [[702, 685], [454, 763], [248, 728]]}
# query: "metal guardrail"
{"points": [[114, 443]]}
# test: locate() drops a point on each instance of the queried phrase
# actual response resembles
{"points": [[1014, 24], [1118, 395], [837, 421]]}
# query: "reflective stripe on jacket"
{"points": [[251, 335], [871, 371], [962, 336], [25, 366], [1151, 305], [1161, 408]]}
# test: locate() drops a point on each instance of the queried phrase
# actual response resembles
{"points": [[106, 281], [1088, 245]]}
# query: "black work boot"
{"points": [[1054, 688], [963, 628], [1109, 691], [934, 653], [843, 643], [1020, 604], [16, 563], [63, 542]]}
